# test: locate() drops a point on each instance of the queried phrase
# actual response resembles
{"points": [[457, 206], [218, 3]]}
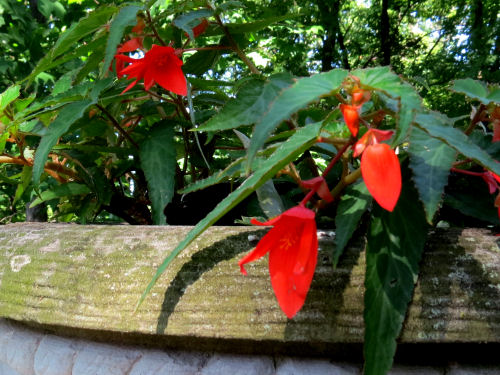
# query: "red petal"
{"points": [[172, 80], [319, 185], [351, 117], [496, 130], [130, 45], [130, 86], [200, 28], [382, 174], [291, 288]]}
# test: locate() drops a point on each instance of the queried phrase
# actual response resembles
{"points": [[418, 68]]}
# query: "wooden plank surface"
{"points": [[87, 279]]}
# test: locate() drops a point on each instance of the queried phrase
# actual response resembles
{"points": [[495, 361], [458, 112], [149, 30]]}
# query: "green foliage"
{"points": [[278, 72], [158, 160], [430, 160], [395, 242]]}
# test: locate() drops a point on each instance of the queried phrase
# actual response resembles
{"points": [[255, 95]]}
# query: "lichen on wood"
{"points": [[89, 278]]}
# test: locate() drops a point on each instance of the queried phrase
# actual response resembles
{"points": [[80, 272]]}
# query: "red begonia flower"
{"points": [[319, 185], [382, 174], [360, 96], [292, 244], [160, 65], [129, 46], [351, 117], [371, 137]]}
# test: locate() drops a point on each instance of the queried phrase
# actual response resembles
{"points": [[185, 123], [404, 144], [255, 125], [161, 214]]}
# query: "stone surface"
{"points": [[296, 366]]}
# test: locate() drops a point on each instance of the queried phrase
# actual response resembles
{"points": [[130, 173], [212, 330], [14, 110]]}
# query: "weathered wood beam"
{"points": [[86, 280]]}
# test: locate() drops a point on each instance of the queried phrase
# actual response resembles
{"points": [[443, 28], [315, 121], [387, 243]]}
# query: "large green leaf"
{"points": [[125, 18], [82, 28], [251, 103], [438, 126], [8, 96], [477, 90], [158, 161], [430, 160], [201, 62], [302, 92], [395, 243], [64, 190], [67, 116], [479, 206], [353, 204], [383, 79], [287, 152]]}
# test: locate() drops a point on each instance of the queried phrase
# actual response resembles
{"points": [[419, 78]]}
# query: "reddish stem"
{"points": [[464, 171]]}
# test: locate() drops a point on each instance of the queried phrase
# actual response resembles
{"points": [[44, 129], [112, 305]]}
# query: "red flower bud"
{"points": [[351, 117]]}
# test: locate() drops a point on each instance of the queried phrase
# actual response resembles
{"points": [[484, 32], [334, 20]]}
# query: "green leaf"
{"points": [[49, 7], [478, 206], [383, 79], [8, 96], [395, 243], [82, 28], [25, 181], [477, 90], [125, 18], [201, 62], [3, 141], [158, 161], [186, 22], [437, 126], [302, 92], [287, 152], [251, 103], [430, 160], [92, 63], [64, 190], [353, 204], [68, 115]]}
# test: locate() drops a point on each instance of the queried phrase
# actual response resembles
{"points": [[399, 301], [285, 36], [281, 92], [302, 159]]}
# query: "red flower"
{"points": [[319, 185], [160, 65], [129, 46], [292, 244], [380, 168], [351, 117]]}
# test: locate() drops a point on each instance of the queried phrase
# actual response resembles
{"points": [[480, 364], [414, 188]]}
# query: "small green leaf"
{"points": [[353, 204], [125, 18], [64, 190], [250, 27], [67, 116], [251, 103], [8, 96], [437, 126], [82, 28], [158, 161], [395, 243], [25, 181], [302, 92], [430, 160], [186, 22], [288, 151]]}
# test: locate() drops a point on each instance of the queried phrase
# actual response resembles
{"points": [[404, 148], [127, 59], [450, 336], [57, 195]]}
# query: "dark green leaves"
{"points": [[64, 190], [352, 206], [302, 92], [187, 22], [250, 104], [438, 126], [395, 244], [126, 17], [288, 151], [477, 90], [9, 96], [430, 160], [158, 160]]}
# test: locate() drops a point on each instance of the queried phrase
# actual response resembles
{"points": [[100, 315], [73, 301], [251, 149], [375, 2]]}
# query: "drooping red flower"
{"points": [[160, 65], [351, 117], [292, 245], [319, 185], [131, 45], [380, 168]]}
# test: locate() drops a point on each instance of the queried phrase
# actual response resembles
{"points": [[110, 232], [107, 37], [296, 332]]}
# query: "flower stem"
{"points": [[465, 171]]}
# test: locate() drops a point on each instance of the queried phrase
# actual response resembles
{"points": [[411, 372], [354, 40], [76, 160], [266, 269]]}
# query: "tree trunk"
{"points": [[385, 45]]}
